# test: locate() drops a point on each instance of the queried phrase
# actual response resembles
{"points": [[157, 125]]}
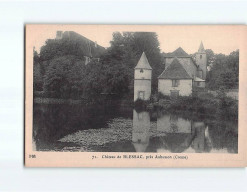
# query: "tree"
{"points": [[224, 72], [67, 75], [56, 48], [37, 73], [63, 77], [210, 56], [129, 46]]}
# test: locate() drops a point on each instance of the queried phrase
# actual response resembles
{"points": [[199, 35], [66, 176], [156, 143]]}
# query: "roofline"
{"points": [[180, 65], [185, 57], [71, 31], [143, 79], [176, 78], [177, 56], [144, 68], [161, 73]]}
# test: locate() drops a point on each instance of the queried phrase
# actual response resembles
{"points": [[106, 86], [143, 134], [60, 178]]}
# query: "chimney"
{"points": [[59, 34]]}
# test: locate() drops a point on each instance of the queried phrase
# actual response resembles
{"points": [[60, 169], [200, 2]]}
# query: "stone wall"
{"points": [[142, 85], [184, 87], [146, 74]]}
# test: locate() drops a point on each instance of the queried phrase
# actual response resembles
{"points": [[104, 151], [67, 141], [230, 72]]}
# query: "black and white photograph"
{"points": [[169, 89]]}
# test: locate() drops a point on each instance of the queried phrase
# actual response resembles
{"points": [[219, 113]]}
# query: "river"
{"points": [[124, 129]]}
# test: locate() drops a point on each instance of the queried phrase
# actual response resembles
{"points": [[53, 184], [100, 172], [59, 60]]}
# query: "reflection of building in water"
{"points": [[198, 143], [178, 133], [183, 135], [140, 133], [202, 141], [173, 124]]}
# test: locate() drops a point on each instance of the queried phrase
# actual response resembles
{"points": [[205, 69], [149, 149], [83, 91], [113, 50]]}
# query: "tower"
{"points": [[201, 60], [143, 76], [140, 132]]}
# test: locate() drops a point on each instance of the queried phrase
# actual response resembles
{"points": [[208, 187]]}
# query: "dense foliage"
{"points": [[224, 72], [206, 104], [60, 70]]}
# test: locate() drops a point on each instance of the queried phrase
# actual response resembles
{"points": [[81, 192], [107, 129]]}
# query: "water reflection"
{"points": [[175, 134], [117, 129], [173, 124], [141, 128]]}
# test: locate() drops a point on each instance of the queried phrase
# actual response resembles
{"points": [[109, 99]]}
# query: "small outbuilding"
{"points": [[143, 76], [175, 81]]}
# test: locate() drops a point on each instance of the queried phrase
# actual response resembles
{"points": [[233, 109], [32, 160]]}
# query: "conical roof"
{"points": [[143, 63], [175, 71], [201, 48], [140, 147]]}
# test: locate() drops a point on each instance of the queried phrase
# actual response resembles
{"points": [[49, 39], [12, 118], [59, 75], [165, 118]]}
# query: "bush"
{"points": [[140, 104], [205, 105]]}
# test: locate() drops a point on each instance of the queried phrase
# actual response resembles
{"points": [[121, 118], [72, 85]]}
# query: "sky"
{"points": [[220, 38]]}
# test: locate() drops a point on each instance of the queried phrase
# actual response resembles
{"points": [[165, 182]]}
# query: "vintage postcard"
{"points": [[135, 95]]}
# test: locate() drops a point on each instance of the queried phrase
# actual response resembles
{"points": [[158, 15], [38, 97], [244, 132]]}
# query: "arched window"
{"points": [[141, 71], [200, 56]]}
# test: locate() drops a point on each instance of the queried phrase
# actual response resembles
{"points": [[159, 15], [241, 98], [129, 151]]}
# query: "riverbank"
{"points": [[207, 104], [83, 102]]}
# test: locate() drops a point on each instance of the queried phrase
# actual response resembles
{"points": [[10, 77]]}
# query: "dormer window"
{"points": [[141, 71]]}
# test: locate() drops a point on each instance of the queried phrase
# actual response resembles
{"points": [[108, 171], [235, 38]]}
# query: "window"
{"points": [[175, 83], [200, 56], [141, 71]]}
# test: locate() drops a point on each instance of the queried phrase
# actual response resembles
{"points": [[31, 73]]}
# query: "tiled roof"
{"points": [[143, 63], [174, 71], [86, 46], [179, 52]]}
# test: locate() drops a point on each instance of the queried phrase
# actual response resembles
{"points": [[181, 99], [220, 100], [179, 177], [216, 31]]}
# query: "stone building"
{"points": [[182, 74], [90, 49], [142, 79], [175, 80], [201, 61]]}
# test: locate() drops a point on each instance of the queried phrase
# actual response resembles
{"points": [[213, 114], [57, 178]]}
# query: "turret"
{"points": [[140, 132], [201, 60], [143, 76]]}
